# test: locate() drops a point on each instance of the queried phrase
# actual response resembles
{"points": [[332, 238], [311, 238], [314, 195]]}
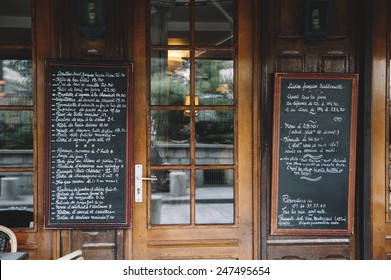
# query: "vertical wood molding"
{"points": [[245, 122], [42, 48], [378, 124], [139, 57]]}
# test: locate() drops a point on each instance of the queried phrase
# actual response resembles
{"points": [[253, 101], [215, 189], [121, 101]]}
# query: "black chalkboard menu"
{"points": [[89, 132], [313, 165]]}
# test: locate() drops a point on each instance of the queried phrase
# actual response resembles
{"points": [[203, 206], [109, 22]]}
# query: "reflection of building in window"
{"points": [[214, 177], [16, 125]]}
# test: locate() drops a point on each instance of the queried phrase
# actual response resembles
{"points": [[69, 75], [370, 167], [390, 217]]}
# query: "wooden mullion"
{"points": [[16, 169], [16, 108]]}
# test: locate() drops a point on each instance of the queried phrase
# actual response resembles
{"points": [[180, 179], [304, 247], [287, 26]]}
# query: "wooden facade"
{"points": [[269, 40]]}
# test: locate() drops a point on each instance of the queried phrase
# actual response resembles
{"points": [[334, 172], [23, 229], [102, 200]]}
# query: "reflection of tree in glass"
{"points": [[15, 130], [23, 73], [214, 84], [167, 90], [218, 128]]}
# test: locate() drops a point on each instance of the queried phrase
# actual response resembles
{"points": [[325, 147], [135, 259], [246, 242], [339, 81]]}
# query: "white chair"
{"points": [[7, 236], [75, 255]]}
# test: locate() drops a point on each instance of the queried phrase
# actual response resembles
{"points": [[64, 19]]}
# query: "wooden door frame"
{"points": [[380, 228], [245, 144], [139, 58]]}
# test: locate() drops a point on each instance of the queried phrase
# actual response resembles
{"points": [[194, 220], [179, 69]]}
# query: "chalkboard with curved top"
{"points": [[314, 153], [89, 144]]}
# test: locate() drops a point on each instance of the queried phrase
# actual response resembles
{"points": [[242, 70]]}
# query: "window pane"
{"points": [[215, 78], [169, 21], [16, 199], [214, 196], [214, 22], [15, 82], [16, 130], [214, 137], [170, 136], [170, 77], [170, 198]]}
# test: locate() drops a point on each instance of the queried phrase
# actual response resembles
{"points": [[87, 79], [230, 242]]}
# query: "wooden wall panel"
{"points": [[113, 46], [309, 252], [284, 49], [380, 224], [289, 15], [310, 249], [71, 45], [203, 250], [95, 244], [337, 63], [291, 63], [342, 18]]}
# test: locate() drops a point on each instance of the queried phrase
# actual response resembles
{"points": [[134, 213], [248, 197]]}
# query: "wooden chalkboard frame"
{"points": [[295, 230], [125, 70]]}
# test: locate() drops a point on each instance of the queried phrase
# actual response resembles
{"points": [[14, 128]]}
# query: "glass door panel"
{"points": [[192, 112], [214, 22], [170, 199], [170, 80], [168, 20], [214, 196], [214, 137], [214, 78], [170, 137]]}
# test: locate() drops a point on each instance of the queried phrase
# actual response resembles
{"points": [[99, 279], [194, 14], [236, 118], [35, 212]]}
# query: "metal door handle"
{"points": [[153, 178], [138, 182]]}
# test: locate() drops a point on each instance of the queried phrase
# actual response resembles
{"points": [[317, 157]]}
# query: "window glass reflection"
{"points": [[214, 196], [214, 22], [16, 82], [16, 199], [214, 137], [215, 78], [170, 77], [170, 198], [170, 136], [169, 19], [16, 132]]}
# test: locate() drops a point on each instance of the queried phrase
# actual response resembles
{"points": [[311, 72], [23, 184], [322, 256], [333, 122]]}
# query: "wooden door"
{"points": [[201, 203]]}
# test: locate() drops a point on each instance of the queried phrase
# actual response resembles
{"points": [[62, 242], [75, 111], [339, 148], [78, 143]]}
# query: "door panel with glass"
{"points": [[197, 197]]}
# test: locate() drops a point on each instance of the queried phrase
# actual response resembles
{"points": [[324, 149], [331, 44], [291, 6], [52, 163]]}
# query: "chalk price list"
{"points": [[88, 158], [313, 156]]}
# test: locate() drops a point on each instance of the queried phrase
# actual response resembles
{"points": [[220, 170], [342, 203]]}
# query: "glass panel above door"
{"points": [[214, 22], [169, 19]]}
